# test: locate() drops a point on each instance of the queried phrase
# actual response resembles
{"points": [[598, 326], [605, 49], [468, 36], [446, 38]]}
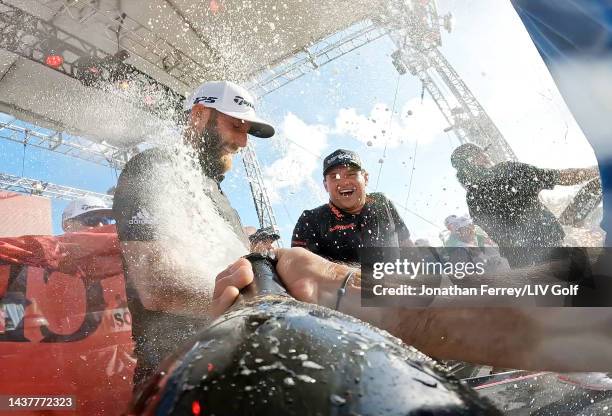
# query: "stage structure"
{"points": [[128, 65]]}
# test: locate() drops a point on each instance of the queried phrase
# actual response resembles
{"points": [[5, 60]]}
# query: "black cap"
{"points": [[464, 154], [341, 157]]}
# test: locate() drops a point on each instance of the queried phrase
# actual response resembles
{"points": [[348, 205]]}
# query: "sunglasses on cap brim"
{"points": [[93, 221]]}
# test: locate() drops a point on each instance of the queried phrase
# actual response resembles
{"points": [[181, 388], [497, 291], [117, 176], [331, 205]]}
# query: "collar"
{"points": [[339, 213]]}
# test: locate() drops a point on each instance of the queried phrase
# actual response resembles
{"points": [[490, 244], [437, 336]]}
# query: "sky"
{"points": [[352, 103]]}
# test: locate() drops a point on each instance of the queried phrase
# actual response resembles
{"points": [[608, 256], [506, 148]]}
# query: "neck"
{"points": [[353, 211]]}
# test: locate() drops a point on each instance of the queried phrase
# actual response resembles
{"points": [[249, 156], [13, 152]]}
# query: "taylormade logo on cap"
{"points": [[84, 205], [233, 100]]}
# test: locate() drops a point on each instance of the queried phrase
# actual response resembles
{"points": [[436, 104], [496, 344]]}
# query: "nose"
{"points": [[241, 139]]}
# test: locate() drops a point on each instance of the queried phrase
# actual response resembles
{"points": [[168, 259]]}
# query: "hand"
{"points": [[309, 277], [228, 284]]}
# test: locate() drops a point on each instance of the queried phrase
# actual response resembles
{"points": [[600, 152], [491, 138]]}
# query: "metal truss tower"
{"points": [[35, 187], [258, 188], [68, 145], [415, 30]]}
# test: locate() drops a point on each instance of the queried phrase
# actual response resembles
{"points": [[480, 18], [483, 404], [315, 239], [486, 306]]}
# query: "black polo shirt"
{"points": [[142, 190], [504, 201], [337, 235]]}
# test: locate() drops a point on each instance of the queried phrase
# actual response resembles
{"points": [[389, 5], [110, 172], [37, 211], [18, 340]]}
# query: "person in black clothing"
{"points": [[352, 218], [503, 201], [158, 208]]}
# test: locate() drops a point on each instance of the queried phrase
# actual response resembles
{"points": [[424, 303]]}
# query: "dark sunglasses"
{"points": [[93, 221]]}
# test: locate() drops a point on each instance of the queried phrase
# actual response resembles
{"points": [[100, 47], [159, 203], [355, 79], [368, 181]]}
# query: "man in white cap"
{"points": [[168, 298], [86, 212]]}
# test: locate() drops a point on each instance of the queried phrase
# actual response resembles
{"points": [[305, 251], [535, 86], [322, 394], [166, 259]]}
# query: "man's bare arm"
{"points": [[555, 339], [576, 176]]}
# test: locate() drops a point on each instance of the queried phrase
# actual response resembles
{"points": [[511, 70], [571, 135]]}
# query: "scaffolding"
{"points": [[37, 187], [99, 153], [413, 26]]}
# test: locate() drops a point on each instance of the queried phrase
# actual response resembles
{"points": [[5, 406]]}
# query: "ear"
{"points": [[366, 177], [199, 116], [325, 185]]}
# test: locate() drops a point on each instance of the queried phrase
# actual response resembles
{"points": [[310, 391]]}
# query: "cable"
{"points": [[419, 216], [23, 158], [303, 148], [416, 145], [388, 135]]}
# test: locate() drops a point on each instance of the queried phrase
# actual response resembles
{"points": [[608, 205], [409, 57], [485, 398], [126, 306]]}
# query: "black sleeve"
{"points": [[403, 234], [133, 201], [305, 233], [537, 178]]}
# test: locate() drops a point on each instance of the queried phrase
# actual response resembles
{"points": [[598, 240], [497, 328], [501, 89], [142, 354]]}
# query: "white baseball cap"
{"points": [[85, 205], [450, 220], [233, 100], [461, 222]]}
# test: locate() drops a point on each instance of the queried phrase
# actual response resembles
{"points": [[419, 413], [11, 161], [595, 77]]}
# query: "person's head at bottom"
{"points": [[87, 212], [345, 180], [263, 239], [220, 115]]}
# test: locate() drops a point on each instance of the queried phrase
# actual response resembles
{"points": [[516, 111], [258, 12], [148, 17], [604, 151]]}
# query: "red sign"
{"points": [[61, 333]]}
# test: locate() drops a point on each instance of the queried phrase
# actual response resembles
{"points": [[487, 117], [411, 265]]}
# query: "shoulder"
{"points": [[519, 169], [314, 213], [510, 166], [516, 167], [378, 199], [145, 159]]}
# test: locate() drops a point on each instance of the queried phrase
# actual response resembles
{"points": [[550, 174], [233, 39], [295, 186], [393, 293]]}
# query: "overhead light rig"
{"points": [[32, 38]]}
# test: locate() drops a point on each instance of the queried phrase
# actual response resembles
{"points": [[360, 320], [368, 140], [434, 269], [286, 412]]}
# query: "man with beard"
{"points": [[167, 296], [351, 219], [503, 201]]}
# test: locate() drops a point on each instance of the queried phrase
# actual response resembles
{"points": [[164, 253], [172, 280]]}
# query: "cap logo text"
{"points": [[208, 100], [241, 101]]}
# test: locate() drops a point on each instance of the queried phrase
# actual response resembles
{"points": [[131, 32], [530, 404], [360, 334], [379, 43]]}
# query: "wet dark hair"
{"points": [[461, 160], [463, 155]]}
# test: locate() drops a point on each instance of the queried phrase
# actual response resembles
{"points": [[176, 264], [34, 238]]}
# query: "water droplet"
{"points": [[337, 400], [312, 365], [289, 381], [305, 378]]}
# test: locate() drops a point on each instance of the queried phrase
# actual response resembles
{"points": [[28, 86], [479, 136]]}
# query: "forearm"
{"points": [[576, 176], [554, 339]]}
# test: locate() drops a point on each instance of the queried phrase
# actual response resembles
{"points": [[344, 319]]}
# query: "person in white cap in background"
{"points": [[166, 311], [478, 247], [86, 212], [451, 238], [464, 231]]}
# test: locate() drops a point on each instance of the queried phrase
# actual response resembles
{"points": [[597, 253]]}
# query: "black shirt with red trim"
{"points": [[337, 235]]}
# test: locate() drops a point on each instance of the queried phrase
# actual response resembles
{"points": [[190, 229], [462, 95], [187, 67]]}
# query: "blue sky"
{"points": [[349, 101]]}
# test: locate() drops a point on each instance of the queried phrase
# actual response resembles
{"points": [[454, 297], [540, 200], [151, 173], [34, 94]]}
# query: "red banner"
{"points": [[65, 333]]}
